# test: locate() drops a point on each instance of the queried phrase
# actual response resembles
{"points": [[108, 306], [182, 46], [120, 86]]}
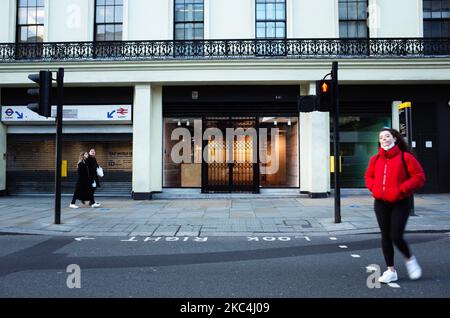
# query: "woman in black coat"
{"points": [[93, 165], [83, 188]]}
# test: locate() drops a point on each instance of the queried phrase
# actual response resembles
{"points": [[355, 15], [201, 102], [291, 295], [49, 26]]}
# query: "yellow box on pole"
{"points": [[332, 164], [404, 105], [64, 168]]}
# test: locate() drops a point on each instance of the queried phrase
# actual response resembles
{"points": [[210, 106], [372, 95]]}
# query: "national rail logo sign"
{"points": [[72, 114], [122, 111], [118, 113]]}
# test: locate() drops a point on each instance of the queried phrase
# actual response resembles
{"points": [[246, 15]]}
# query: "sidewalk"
{"points": [[213, 217]]}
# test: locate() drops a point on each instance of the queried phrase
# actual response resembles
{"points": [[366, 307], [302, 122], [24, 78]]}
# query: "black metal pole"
{"points": [[409, 133], [337, 167], [59, 117]]}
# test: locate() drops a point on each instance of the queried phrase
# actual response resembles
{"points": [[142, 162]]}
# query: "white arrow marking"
{"points": [[393, 285], [343, 246], [356, 256], [131, 239], [79, 239], [333, 238]]}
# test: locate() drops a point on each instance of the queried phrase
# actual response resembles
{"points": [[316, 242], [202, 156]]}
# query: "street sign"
{"points": [[64, 169], [332, 164], [405, 129], [72, 114]]}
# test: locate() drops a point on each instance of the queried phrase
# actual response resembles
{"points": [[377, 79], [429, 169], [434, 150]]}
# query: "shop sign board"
{"points": [[72, 114]]}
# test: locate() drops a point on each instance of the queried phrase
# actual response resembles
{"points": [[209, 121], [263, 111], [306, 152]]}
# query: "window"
{"points": [[185, 171], [271, 19], [353, 19], [30, 21], [189, 24], [108, 20], [279, 156], [436, 18], [359, 142]]}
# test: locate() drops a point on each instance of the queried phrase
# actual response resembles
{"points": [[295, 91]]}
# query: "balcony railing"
{"points": [[226, 49]]}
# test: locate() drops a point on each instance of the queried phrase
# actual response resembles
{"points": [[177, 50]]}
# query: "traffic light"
{"points": [[41, 97], [324, 93]]}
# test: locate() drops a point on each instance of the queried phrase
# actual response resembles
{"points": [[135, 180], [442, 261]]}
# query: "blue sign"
{"points": [[9, 112], [110, 114]]}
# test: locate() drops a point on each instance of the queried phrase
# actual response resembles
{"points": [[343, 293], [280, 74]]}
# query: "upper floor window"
{"points": [[108, 20], [30, 21], [436, 18], [353, 19], [271, 19], [189, 24]]}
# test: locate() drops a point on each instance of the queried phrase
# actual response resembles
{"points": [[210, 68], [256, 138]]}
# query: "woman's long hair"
{"points": [[400, 142], [81, 157]]}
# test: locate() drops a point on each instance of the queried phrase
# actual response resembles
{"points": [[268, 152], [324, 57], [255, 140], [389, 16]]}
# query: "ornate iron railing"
{"points": [[226, 49]]}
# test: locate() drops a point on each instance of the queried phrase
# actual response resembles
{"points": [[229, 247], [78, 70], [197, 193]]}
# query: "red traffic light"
{"points": [[324, 94]]}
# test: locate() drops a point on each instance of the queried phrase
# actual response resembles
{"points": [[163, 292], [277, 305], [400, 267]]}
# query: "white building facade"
{"points": [[137, 70]]}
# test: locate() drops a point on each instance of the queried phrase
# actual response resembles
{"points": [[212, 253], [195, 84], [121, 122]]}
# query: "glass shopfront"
{"points": [[358, 142], [184, 173], [197, 153], [282, 166]]}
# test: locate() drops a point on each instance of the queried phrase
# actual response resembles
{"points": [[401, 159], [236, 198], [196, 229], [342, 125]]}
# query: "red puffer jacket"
{"points": [[386, 177]]}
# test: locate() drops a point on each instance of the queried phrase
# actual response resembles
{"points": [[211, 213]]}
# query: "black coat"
{"points": [[93, 165], [83, 188]]}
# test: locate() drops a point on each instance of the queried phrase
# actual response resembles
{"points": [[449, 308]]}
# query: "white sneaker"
{"points": [[413, 268], [73, 206], [96, 205], [388, 276]]}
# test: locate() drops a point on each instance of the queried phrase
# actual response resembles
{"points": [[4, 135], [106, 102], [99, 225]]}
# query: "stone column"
{"points": [[395, 119], [142, 146], [156, 140], [314, 149]]}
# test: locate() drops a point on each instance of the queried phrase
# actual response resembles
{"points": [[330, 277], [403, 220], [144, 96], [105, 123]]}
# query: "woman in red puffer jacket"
{"points": [[392, 176]]}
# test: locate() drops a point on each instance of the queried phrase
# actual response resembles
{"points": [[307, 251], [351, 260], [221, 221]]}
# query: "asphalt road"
{"points": [[218, 267]]}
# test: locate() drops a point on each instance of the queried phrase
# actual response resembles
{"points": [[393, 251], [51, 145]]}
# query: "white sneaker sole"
{"points": [[387, 282], [415, 277]]}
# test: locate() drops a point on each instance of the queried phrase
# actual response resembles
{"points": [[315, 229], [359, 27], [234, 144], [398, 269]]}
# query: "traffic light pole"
{"points": [[337, 167], [59, 117], [409, 134]]}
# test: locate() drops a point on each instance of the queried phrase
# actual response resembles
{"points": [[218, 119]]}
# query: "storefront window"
{"points": [[186, 148], [358, 142], [279, 164], [182, 169]]}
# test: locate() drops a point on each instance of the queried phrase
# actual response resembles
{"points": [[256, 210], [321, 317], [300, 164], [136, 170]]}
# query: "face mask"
{"points": [[389, 147]]}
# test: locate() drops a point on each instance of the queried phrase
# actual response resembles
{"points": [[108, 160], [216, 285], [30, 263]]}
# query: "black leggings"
{"points": [[74, 199], [92, 200], [392, 218]]}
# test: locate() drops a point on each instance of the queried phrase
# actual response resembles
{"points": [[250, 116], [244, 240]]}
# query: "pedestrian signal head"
{"points": [[324, 94], [41, 97]]}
